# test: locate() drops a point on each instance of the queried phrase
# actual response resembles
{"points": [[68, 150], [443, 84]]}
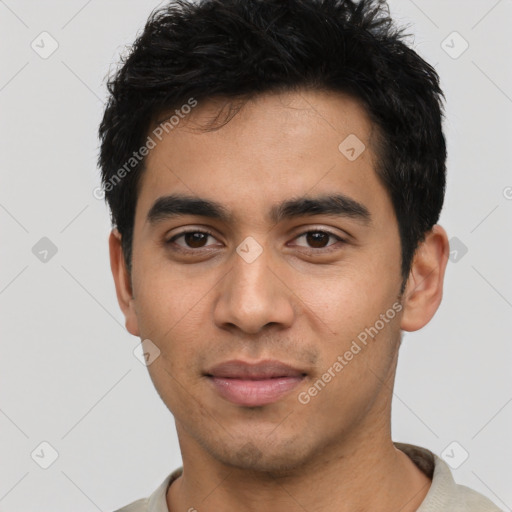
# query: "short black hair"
{"points": [[237, 49]]}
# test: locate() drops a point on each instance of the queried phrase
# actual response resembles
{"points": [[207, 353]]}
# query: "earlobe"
{"points": [[122, 282], [424, 290]]}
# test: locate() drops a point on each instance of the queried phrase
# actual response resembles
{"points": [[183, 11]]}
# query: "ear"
{"points": [[424, 289], [123, 283]]}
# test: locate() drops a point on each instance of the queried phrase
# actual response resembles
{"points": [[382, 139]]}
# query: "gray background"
{"points": [[68, 373]]}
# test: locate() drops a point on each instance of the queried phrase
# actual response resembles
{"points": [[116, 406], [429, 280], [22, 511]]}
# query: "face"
{"points": [[270, 281]]}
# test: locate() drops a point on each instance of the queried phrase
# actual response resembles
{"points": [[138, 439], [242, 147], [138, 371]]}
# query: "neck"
{"points": [[361, 474]]}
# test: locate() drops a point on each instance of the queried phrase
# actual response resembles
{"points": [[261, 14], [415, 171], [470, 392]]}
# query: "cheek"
{"points": [[177, 332], [360, 319], [345, 298], [172, 312], [355, 368], [164, 298]]}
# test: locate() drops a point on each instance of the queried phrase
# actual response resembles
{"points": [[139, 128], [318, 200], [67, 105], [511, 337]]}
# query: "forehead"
{"points": [[277, 147]]}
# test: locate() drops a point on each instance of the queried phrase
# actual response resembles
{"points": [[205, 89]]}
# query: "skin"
{"points": [[334, 453]]}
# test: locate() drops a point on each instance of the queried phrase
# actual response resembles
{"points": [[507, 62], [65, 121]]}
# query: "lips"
{"points": [[254, 384], [268, 369]]}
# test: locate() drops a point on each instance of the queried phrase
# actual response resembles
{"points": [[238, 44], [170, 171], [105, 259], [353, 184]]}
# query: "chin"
{"points": [[261, 456]]}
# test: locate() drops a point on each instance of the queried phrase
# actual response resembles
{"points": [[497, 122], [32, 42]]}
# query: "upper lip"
{"points": [[267, 369]]}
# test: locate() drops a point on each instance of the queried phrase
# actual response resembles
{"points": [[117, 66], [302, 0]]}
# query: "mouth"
{"points": [[254, 384]]}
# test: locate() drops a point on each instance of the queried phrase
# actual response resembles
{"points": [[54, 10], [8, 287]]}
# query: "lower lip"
{"points": [[253, 393]]}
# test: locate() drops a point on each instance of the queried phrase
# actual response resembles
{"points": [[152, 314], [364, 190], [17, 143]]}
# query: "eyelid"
{"points": [[321, 250], [206, 231], [312, 229], [303, 230]]}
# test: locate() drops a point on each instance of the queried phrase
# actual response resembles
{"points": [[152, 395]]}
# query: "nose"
{"points": [[254, 295]]}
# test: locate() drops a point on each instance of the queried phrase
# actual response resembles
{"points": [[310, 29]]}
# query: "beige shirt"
{"points": [[444, 494]]}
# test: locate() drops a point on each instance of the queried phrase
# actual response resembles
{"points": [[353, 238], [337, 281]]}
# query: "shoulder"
{"points": [[444, 493], [465, 499], [456, 497], [156, 502], [137, 506]]}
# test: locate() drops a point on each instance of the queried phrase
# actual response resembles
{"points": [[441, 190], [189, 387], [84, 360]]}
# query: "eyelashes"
{"points": [[205, 234]]}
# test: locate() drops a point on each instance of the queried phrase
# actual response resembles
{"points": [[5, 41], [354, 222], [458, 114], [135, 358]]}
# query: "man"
{"points": [[275, 172]]}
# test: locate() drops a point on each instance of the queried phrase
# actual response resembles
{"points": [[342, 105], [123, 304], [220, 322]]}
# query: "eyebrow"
{"points": [[339, 205]]}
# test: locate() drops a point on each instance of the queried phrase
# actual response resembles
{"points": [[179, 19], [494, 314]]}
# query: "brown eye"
{"points": [[195, 239], [318, 239]]}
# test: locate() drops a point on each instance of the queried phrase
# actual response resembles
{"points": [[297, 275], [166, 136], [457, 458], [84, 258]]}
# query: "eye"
{"points": [[194, 239], [317, 239]]}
